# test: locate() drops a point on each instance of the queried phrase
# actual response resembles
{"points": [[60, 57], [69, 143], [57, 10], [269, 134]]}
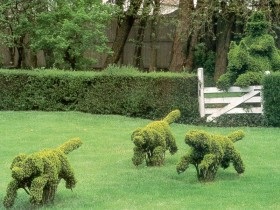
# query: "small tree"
{"points": [[67, 30], [17, 19], [255, 54], [210, 151]]}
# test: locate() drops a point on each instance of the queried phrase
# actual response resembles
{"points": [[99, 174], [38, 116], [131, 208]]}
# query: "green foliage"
{"points": [[118, 70], [226, 80], [235, 120], [257, 24], [210, 151], [249, 78], [153, 140], [16, 20], [205, 57], [68, 31], [17, 23], [145, 95], [255, 54], [41, 173], [271, 95]]}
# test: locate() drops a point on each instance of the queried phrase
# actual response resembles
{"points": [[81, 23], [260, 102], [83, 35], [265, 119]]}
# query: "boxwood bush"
{"points": [[130, 93], [271, 95]]}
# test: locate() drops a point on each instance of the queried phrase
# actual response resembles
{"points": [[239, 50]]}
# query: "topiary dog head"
{"points": [[198, 139], [138, 137], [24, 166], [17, 161], [147, 137]]}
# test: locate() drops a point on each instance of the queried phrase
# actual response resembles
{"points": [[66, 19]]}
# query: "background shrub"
{"points": [[271, 95], [236, 120], [129, 93]]}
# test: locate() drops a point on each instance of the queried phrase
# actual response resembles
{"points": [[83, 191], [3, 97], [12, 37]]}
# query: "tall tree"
{"points": [[195, 26], [125, 22], [200, 21], [143, 20], [182, 34], [225, 24], [154, 34]]}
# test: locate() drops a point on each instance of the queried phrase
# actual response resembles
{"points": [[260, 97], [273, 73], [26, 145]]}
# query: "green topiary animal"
{"points": [[153, 140], [39, 173], [210, 151], [255, 54]]}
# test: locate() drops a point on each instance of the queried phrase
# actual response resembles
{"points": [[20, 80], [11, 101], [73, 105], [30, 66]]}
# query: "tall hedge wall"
{"points": [[271, 95], [146, 95]]}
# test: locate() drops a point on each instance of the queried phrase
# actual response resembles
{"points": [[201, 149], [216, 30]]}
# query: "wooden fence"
{"points": [[214, 102]]}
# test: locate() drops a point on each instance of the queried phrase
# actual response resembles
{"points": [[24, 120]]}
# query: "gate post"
{"points": [[200, 77]]}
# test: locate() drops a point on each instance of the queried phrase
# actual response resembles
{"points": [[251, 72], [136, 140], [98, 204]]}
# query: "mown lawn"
{"points": [[107, 179]]}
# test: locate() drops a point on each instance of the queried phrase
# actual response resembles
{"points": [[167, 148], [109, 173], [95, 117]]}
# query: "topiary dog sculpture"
{"points": [[209, 151], [39, 173], [153, 140]]}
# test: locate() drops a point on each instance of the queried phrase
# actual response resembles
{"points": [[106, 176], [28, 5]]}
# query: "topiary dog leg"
{"points": [[138, 156], [171, 143], [157, 157], [208, 167], [36, 190], [237, 162], [68, 175], [183, 164], [11, 194], [49, 193]]}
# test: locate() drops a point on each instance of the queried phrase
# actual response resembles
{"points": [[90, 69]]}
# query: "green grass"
{"points": [[107, 178]]}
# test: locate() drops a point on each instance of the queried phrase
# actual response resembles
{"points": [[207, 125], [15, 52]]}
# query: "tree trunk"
{"points": [[70, 59], [224, 31], [182, 34], [201, 8], [139, 44], [33, 60], [154, 35], [12, 54], [21, 54], [138, 61], [49, 58], [190, 52], [125, 25]]}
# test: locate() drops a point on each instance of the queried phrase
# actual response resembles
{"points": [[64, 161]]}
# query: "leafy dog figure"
{"points": [[210, 151], [153, 140], [40, 173]]}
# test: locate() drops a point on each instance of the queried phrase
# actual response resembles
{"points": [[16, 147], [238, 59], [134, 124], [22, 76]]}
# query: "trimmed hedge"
{"points": [[145, 95], [271, 95]]}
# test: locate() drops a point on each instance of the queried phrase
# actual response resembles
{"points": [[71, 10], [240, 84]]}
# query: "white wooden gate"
{"points": [[213, 107]]}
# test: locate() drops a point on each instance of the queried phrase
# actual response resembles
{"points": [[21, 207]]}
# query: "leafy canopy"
{"points": [[69, 29], [64, 30]]}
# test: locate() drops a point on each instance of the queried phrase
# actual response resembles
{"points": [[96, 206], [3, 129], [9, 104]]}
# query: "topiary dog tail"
{"points": [[172, 116], [236, 136], [70, 145]]}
